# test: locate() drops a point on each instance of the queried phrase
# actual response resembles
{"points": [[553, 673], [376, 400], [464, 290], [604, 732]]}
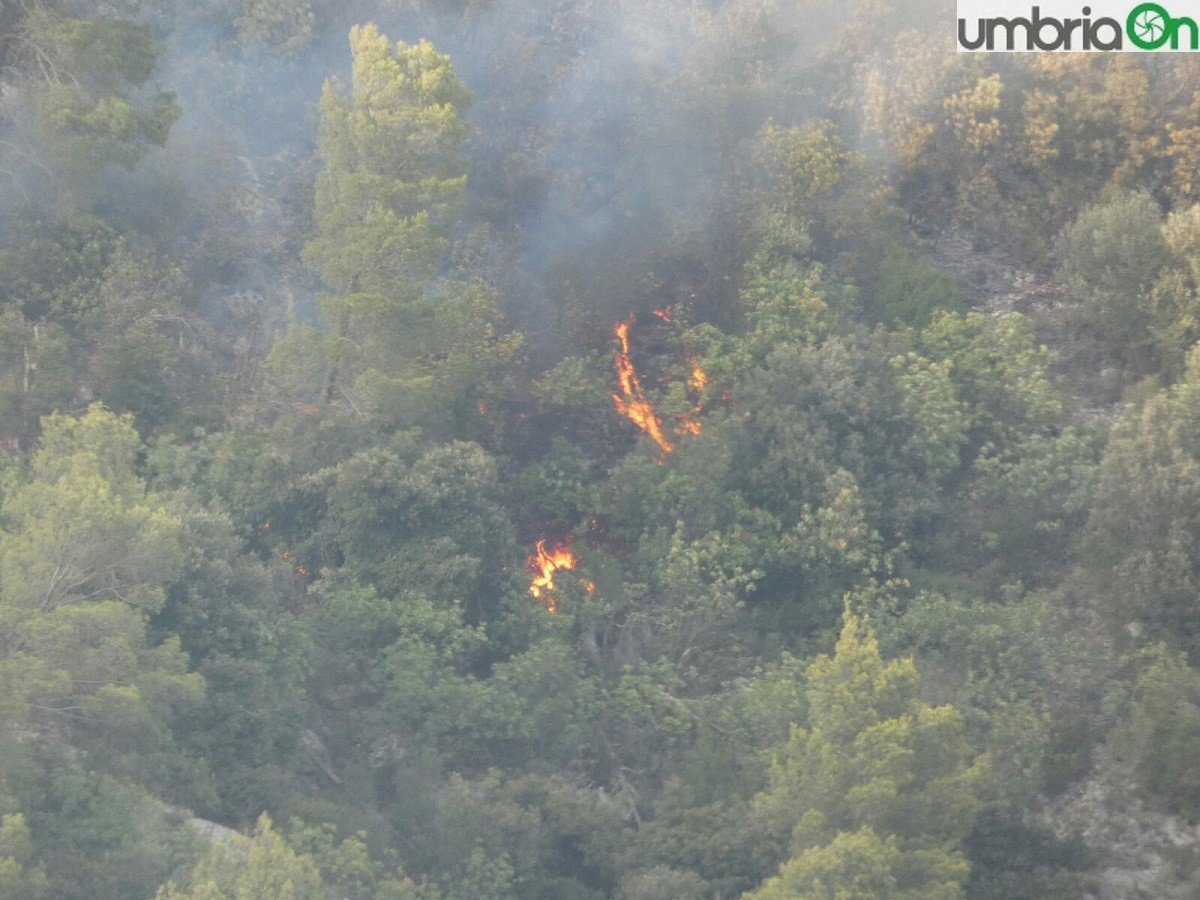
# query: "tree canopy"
{"points": [[693, 449]]}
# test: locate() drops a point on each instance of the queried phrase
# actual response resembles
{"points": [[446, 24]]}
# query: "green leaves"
{"points": [[431, 524], [393, 177], [940, 419], [20, 879], [1112, 256], [284, 25], [82, 94], [84, 557], [241, 868], [998, 371], [84, 528], [1158, 734], [401, 347], [1140, 543], [879, 789], [861, 865]]}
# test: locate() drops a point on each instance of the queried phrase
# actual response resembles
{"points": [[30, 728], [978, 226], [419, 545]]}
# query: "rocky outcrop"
{"points": [[1141, 854]]}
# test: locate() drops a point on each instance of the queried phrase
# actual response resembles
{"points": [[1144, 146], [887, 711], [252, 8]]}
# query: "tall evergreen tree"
{"points": [[398, 341], [879, 791]]}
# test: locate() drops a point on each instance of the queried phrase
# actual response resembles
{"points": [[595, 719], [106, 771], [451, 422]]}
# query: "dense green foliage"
{"points": [[296, 383]]}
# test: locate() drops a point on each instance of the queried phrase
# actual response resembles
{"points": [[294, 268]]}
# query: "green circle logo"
{"points": [[1149, 26]]}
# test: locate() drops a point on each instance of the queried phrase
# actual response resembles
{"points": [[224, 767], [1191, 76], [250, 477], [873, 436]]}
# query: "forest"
{"points": [[567, 450]]}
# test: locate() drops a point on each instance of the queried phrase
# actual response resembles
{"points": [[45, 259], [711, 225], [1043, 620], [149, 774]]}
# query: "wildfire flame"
{"points": [[544, 564], [632, 402], [688, 423]]}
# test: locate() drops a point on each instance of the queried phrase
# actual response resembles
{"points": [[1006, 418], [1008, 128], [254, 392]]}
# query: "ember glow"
{"points": [[631, 402], [544, 564], [688, 423]]}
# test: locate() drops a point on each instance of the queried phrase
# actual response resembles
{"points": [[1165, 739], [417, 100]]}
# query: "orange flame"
{"points": [[688, 423], [632, 402], [544, 564], [666, 313]]}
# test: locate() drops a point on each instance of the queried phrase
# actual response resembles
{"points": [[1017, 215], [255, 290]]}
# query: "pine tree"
{"points": [[878, 791]]}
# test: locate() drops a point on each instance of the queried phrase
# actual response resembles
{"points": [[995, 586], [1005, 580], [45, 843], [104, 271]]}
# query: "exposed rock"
{"points": [[1142, 854], [210, 830], [204, 828], [320, 753], [388, 749]]}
